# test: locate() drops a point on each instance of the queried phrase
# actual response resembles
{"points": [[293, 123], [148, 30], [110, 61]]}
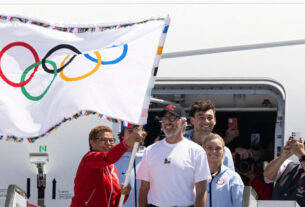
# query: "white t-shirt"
{"points": [[172, 171]]}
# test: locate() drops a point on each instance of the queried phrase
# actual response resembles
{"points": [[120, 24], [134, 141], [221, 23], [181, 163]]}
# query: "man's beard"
{"points": [[171, 133]]}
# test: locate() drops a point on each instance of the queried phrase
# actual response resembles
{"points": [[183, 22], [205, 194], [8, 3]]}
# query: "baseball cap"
{"points": [[174, 109]]}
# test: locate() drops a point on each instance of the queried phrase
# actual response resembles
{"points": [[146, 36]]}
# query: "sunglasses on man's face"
{"points": [[169, 118]]}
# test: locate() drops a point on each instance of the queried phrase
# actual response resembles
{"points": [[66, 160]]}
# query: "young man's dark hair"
{"points": [[201, 106], [122, 132]]}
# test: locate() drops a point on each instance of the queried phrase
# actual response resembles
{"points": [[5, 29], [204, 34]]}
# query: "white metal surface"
{"points": [[277, 204]]}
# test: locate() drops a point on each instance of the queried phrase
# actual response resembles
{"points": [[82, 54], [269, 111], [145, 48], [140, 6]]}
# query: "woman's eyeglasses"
{"points": [[102, 139]]}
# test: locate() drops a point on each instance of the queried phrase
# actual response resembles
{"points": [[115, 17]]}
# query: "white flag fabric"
{"points": [[48, 73]]}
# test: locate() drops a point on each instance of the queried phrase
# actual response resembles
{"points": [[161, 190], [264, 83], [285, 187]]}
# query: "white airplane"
{"points": [[246, 56]]}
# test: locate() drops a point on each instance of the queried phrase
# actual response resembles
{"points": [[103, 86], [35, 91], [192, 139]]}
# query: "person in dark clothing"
{"points": [[256, 180], [288, 175]]}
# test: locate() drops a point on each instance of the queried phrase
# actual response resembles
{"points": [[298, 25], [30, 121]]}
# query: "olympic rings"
{"points": [[113, 61], [64, 77], [37, 98], [58, 47], [55, 70], [35, 57]]}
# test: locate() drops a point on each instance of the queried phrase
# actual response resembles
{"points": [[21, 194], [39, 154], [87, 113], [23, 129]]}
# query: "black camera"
{"points": [[243, 165]]}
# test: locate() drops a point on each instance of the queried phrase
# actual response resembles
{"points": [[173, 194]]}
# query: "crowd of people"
{"points": [[186, 168]]}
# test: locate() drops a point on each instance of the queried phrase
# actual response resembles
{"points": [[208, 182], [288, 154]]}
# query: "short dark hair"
{"points": [[96, 130], [201, 106], [122, 132]]}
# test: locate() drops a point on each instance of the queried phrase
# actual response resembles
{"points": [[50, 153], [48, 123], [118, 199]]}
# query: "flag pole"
{"points": [[132, 158], [155, 68]]}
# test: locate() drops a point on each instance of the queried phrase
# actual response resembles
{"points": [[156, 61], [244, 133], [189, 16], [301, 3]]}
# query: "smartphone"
{"points": [[255, 139], [296, 135], [232, 122]]}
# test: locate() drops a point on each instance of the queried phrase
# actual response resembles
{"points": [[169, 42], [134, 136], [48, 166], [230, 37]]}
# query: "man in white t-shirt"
{"points": [[175, 170]]}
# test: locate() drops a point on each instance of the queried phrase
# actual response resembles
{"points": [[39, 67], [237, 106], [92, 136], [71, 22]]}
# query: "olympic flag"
{"points": [[49, 73]]}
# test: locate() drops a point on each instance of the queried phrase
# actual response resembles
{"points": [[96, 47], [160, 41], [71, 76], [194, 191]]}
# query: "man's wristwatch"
{"points": [[302, 159]]}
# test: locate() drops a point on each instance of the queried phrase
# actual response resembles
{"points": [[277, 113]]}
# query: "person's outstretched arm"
{"points": [[272, 168]]}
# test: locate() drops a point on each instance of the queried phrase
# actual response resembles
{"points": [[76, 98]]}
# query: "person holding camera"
{"points": [[288, 175], [253, 171], [226, 187]]}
